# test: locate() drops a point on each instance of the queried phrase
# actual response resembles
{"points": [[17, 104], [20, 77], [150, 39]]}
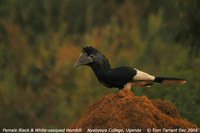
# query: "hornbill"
{"points": [[119, 77]]}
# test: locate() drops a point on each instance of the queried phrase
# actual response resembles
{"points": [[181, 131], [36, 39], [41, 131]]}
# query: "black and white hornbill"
{"points": [[119, 77]]}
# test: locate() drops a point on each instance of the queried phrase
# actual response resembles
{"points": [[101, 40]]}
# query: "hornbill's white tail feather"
{"points": [[168, 80]]}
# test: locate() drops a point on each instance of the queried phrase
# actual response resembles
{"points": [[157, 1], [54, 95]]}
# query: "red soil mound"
{"points": [[124, 110]]}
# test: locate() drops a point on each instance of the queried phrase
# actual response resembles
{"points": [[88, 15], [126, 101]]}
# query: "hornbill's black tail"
{"points": [[168, 80]]}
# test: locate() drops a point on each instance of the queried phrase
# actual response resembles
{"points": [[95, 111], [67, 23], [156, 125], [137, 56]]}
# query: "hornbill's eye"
{"points": [[91, 56]]}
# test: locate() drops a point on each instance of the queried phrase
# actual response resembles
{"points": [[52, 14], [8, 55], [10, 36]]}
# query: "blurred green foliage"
{"points": [[41, 39]]}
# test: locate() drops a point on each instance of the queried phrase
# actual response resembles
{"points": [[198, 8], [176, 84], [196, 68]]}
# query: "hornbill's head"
{"points": [[91, 56]]}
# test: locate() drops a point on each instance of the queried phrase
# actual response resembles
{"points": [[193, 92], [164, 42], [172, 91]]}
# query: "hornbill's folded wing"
{"points": [[119, 75], [123, 75]]}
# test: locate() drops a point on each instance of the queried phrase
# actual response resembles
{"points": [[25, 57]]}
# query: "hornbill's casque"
{"points": [[119, 77]]}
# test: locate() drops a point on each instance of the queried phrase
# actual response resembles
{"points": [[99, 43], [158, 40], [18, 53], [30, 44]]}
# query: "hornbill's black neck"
{"points": [[100, 68]]}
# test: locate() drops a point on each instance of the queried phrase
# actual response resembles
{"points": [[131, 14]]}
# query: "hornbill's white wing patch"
{"points": [[143, 76]]}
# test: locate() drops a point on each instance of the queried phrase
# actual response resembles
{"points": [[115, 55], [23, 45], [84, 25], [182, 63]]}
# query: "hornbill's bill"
{"points": [[119, 77]]}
